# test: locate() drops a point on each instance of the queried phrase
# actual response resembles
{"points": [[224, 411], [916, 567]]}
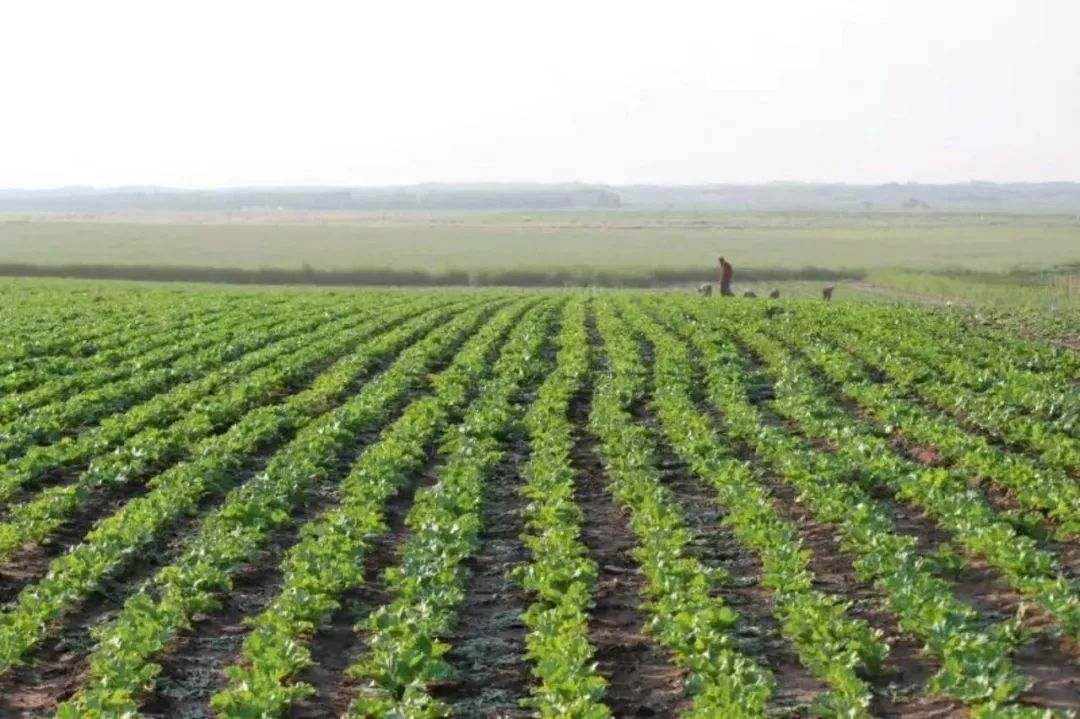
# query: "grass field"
{"points": [[309, 503], [625, 241]]}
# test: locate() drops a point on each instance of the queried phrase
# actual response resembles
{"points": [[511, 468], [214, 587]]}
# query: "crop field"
{"points": [[252, 503]]}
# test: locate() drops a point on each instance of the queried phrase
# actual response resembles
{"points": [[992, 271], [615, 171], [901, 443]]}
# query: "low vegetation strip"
{"points": [[297, 502], [561, 576], [375, 277]]}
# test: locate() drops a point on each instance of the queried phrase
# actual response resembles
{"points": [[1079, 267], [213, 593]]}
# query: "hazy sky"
{"points": [[367, 92]]}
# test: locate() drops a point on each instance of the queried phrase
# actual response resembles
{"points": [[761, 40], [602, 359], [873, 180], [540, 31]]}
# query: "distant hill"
{"points": [[1052, 197]]}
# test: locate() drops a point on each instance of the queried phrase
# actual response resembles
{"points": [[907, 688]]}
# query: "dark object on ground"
{"points": [[826, 294], [726, 273], [749, 293], [774, 293]]}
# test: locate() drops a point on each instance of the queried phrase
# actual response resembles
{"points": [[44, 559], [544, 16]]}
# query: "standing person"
{"points": [[725, 278]]}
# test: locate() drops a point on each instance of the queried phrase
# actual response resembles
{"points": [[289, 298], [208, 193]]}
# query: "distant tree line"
{"points": [[1061, 197], [314, 200]]}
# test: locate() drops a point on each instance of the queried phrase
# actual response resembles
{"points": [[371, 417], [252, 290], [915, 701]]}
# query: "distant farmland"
{"points": [[610, 240]]}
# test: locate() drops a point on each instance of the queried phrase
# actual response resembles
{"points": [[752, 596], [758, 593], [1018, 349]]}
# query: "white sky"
{"points": [[373, 92]]}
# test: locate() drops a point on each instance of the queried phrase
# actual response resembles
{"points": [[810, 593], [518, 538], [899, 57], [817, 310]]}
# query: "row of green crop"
{"points": [[32, 314], [284, 366], [982, 343], [831, 645], [328, 560], [180, 361], [561, 576], [115, 540], [1004, 403], [122, 662], [685, 615], [214, 423], [975, 663], [1045, 490], [945, 496], [996, 357], [63, 333], [142, 345], [143, 350], [70, 333], [139, 425], [403, 650]]}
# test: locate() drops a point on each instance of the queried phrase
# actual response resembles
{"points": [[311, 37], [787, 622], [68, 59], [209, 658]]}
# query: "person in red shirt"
{"points": [[725, 278]]}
